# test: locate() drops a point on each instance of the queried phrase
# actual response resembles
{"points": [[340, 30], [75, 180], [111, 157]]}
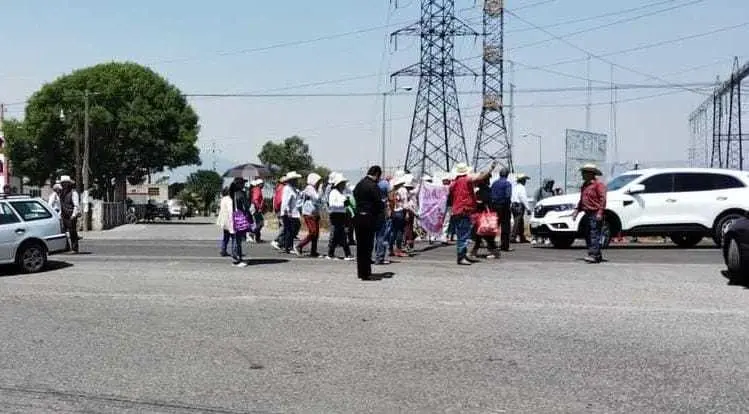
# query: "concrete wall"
{"points": [[105, 216]]}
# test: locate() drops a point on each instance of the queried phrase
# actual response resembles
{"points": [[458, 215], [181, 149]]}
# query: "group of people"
{"points": [[383, 214]]}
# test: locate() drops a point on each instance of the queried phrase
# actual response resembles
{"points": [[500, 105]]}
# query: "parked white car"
{"points": [[177, 209], [684, 204], [29, 231]]}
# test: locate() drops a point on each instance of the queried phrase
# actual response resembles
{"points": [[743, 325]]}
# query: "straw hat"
{"points": [[292, 175], [462, 169], [339, 178], [66, 179], [521, 177], [313, 178], [591, 168]]}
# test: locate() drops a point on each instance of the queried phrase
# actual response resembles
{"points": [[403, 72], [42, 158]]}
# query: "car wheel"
{"points": [[562, 242], [735, 261], [721, 225], [686, 240], [31, 257]]}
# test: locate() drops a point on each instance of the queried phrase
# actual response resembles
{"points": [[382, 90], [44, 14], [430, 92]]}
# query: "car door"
{"points": [[702, 196], [652, 207], [11, 232]]}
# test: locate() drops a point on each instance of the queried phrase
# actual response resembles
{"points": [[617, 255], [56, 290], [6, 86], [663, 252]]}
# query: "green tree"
{"points": [[205, 186], [139, 124], [290, 155]]}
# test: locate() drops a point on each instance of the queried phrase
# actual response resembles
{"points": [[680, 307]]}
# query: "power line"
{"points": [[610, 24], [598, 57], [477, 113], [656, 44], [600, 16]]}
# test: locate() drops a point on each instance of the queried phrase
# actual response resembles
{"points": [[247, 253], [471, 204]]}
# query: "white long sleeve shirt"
{"points": [[54, 202], [520, 196], [289, 199], [311, 204], [336, 202]]}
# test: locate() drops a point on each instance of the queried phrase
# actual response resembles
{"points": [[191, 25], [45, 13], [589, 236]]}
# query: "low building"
{"points": [[142, 193]]}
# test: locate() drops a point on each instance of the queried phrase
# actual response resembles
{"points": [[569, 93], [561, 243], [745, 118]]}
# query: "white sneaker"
{"points": [[533, 242], [275, 245], [349, 259], [241, 264]]}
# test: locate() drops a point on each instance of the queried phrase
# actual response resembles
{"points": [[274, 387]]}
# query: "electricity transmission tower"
{"points": [[436, 141], [493, 142], [722, 116]]}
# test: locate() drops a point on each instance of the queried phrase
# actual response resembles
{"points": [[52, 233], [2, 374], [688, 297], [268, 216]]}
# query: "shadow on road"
{"points": [[52, 265], [178, 223], [258, 262]]}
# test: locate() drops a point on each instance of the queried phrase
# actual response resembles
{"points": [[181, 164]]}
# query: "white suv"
{"points": [[29, 231], [685, 204]]}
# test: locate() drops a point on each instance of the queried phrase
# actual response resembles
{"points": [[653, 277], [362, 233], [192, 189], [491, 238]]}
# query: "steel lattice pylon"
{"points": [[728, 136], [437, 141], [718, 136], [492, 142]]}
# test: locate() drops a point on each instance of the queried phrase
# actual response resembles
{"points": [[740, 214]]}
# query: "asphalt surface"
{"points": [[165, 326], [201, 250]]}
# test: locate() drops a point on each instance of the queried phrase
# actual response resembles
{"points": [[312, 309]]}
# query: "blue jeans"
{"points": [[593, 239], [398, 227], [291, 228], [236, 246], [382, 237], [463, 229]]}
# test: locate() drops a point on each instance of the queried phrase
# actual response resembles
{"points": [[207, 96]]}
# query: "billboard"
{"points": [[580, 148]]}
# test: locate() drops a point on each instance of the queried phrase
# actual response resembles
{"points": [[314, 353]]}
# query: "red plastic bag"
{"points": [[487, 224]]}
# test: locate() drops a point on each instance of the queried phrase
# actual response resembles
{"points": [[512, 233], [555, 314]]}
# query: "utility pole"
{"points": [[511, 116], [86, 156], [383, 138], [590, 97]]}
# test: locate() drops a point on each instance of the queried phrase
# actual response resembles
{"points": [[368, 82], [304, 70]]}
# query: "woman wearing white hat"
{"points": [[311, 214], [399, 215], [290, 211], [54, 198], [337, 203]]}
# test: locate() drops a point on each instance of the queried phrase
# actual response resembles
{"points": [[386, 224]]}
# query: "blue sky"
{"points": [[208, 48]]}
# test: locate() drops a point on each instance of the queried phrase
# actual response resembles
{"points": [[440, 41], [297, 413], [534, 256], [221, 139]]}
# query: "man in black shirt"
{"points": [[369, 209]]}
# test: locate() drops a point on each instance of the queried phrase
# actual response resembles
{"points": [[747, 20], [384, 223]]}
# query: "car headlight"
{"points": [[560, 208]]}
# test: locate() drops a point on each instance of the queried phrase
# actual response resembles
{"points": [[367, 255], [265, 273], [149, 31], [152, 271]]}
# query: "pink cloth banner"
{"points": [[432, 207]]}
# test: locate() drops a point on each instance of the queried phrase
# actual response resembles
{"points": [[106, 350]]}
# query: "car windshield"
{"points": [[620, 181]]}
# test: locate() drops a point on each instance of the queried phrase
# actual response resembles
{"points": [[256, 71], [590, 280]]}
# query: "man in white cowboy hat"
{"points": [[520, 207], [593, 205], [464, 205], [70, 210], [291, 211]]}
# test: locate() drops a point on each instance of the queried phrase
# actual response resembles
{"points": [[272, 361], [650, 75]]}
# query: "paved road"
{"points": [[200, 250], [187, 333]]}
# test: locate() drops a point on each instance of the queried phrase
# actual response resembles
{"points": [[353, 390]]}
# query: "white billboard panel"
{"points": [[581, 147]]}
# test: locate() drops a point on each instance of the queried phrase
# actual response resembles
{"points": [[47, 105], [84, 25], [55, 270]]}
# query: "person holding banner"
{"points": [[464, 204]]}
